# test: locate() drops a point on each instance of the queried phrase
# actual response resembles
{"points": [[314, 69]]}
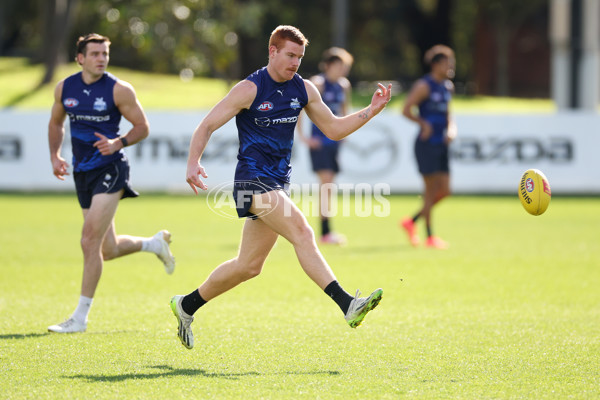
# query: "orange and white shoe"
{"points": [[333, 238], [411, 230], [434, 242]]}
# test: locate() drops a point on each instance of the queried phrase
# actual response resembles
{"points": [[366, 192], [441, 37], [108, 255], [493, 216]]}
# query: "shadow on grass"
{"points": [[23, 335], [8, 336], [167, 371]]}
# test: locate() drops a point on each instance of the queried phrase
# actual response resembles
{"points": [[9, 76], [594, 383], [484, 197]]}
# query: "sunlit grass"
{"points": [[510, 311], [19, 81]]}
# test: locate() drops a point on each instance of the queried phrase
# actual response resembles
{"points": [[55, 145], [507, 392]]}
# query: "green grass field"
{"points": [[510, 311]]}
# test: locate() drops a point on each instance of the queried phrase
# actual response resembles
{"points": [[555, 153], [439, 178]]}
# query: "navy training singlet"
{"points": [[435, 108], [91, 108], [266, 129], [334, 97]]}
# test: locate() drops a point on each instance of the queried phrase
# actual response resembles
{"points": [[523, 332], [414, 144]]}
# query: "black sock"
{"points": [[339, 295], [429, 233], [192, 302], [325, 226], [416, 217]]}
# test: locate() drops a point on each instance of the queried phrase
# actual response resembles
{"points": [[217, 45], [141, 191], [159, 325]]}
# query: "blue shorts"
{"points": [[244, 190], [325, 158], [431, 158], [109, 178]]}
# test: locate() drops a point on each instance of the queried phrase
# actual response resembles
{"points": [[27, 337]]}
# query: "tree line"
{"points": [[228, 38]]}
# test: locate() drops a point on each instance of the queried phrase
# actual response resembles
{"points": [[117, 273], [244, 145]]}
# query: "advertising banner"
{"points": [[489, 155]]}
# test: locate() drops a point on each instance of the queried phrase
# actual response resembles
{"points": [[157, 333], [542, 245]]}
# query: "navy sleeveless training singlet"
{"points": [[266, 129], [435, 108], [91, 108]]}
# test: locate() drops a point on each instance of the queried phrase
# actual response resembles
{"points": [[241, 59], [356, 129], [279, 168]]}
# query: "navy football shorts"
{"points": [[325, 158], [431, 158], [109, 178], [244, 190]]}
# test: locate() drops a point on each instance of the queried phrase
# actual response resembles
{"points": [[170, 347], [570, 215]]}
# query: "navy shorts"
{"points": [[325, 158], [431, 158], [109, 178], [243, 191]]}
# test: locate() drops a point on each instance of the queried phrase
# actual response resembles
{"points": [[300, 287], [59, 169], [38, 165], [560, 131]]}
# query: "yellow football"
{"points": [[534, 192]]}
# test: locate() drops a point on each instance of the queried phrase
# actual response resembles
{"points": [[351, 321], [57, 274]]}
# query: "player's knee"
{"points": [[252, 269], [304, 234], [443, 193], [89, 243]]}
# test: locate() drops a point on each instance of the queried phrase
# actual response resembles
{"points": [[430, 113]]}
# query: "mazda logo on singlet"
{"points": [[266, 121], [262, 121]]}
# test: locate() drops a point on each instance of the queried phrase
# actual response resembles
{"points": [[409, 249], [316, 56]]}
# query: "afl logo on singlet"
{"points": [[71, 102], [265, 106]]}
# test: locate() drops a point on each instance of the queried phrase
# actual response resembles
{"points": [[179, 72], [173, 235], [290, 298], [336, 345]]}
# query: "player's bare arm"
{"points": [[56, 134], [418, 94], [345, 83], [337, 128], [131, 109], [240, 97]]}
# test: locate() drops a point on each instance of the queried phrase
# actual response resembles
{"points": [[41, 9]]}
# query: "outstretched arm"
{"points": [[337, 128], [239, 97]]}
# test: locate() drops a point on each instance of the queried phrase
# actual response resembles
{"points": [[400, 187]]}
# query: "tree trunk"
{"points": [[57, 23], [502, 73]]}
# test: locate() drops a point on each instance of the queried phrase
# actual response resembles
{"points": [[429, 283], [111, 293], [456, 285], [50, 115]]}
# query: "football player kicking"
{"points": [[266, 106]]}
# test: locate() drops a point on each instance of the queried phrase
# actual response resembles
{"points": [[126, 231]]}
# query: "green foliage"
{"points": [[228, 38], [509, 311], [170, 36]]}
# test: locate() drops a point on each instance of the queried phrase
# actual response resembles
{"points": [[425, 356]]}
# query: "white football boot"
{"points": [[184, 331], [164, 255], [69, 326], [360, 306]]}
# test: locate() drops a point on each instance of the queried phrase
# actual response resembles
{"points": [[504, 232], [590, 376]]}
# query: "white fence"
{"points": [[489, 156]]}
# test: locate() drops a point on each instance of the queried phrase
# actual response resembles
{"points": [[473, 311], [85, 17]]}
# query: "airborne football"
{"points": [[534, 192]]}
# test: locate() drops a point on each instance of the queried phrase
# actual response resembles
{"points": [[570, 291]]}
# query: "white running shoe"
{"points": [[164, 237], [184, 331], [360, 306], [69, 326]]}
